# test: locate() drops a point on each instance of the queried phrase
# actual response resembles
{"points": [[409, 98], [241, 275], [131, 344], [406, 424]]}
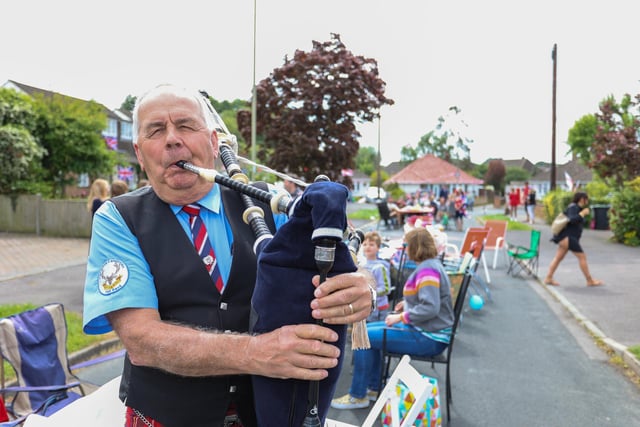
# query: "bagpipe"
{"points": [[311, 242]]}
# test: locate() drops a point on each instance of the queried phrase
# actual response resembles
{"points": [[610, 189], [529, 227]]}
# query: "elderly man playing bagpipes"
{"points": [[172, 270]]}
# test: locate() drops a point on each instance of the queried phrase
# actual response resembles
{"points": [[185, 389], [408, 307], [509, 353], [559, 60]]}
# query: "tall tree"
{"points": [[582, 136], [308, 110], [128, 103], [20, 153], [70, 131], [367, 160], [446, 141], [615, 154], [495, 174]]}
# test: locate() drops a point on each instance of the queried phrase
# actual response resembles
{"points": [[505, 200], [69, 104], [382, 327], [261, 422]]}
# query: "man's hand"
{"points": [[342, 299], [294, 351]]}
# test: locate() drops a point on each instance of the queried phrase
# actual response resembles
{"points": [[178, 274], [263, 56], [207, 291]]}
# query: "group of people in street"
{"points": [[526, 197]]}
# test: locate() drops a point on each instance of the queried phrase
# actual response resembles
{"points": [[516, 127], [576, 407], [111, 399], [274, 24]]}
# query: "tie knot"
{"points": [[192, 210]]}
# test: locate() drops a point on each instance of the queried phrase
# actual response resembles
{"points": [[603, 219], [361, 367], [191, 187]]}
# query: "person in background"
{"points": [[460, 207], [119, 187], [143, 183], [183, 317], [292, 188], [514, 201], [569, 240], [365, 382], [98, 193], [531, 205], [421, 323], [524, 199]]}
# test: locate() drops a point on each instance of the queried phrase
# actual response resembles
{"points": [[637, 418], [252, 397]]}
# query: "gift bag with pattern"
{"points": [[430, 416]]}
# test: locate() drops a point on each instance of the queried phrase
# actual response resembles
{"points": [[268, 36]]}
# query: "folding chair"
{"points": [[496, 239], [416, 384], [475, 239], [35, 345], [523, 258], [473, 242], [442, 358]]}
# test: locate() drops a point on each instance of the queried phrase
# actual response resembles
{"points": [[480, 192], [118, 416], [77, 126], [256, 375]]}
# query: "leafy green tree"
{"points": [[20, 153], [367, 160], [624, 214], [128, 103], [70, 131], [516, 174], [615, 153], [479, 171], [446, 142], [19, 158], [308, 108], [582, 136]]}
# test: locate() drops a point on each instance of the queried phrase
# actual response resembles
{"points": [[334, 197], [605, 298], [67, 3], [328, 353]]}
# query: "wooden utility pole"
{"points": [[554, 56]]}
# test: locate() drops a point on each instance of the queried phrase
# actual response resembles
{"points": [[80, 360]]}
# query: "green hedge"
{"points": [[624, 215]]}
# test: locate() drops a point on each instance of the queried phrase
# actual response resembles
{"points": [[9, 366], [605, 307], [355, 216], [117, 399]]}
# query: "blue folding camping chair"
{"points": [[34, 343]]}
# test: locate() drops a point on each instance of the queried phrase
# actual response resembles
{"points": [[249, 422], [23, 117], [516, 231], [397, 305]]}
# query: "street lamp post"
{"points": [[254, 100], [554, 57], [379, 159]]}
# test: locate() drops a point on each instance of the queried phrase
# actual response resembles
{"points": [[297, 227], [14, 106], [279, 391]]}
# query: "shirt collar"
{"points": [[210, 201]]}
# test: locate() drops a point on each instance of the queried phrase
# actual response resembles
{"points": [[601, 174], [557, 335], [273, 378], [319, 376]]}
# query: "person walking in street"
{"points": [[569, 240], [184, 317]]}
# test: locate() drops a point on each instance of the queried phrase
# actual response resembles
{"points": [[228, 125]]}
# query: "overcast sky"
{"points": [[492, 59]]}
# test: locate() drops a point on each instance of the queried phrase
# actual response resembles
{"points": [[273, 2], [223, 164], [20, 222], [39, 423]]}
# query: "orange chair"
{"points": [[474, 241], [496, 240]]}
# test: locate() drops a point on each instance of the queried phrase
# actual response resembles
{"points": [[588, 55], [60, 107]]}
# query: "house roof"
{"points": [[31, 91], [432, 170], [576, 170]]}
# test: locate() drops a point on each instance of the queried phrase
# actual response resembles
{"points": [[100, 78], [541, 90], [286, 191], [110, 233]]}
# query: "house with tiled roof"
{"points": [[118, 133], [521, 163], [430, 173], [572, 172]]}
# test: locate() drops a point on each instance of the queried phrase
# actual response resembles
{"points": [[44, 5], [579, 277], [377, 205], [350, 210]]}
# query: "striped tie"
{"points": [[202, 244]]}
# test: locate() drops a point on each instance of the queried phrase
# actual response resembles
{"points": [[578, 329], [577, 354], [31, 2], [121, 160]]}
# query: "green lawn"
{"points": [[512, 225]]}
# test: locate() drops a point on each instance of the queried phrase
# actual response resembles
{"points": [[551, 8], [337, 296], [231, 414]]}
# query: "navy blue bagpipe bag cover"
{"points": [[284, 291]]}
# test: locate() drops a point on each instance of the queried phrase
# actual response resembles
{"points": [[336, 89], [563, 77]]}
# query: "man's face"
{"points": [[171, 129]]}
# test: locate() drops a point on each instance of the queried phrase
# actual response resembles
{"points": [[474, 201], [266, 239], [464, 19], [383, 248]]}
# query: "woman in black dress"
{"points": [[569, 240]]}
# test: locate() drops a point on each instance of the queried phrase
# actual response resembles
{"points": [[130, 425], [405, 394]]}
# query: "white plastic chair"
{"points": [[418, 385]]}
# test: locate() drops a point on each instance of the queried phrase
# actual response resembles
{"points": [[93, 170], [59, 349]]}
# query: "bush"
{"points": [[624, 215], [556, 201]]}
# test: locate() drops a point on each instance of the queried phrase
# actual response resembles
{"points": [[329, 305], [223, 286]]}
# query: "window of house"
{"points": [[126, 130]]}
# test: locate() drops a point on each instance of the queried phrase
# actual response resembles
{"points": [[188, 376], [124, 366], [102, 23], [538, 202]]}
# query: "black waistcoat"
{"points": [[187, 295]]}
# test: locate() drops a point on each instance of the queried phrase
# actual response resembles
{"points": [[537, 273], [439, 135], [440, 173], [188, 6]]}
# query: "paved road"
{"points": [[523, 360]]}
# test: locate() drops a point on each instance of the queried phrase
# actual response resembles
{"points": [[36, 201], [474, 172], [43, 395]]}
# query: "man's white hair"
{"points": [[206, 109]]}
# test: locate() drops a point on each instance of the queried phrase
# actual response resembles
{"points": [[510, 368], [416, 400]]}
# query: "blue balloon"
{"points": [[476, 302]]}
